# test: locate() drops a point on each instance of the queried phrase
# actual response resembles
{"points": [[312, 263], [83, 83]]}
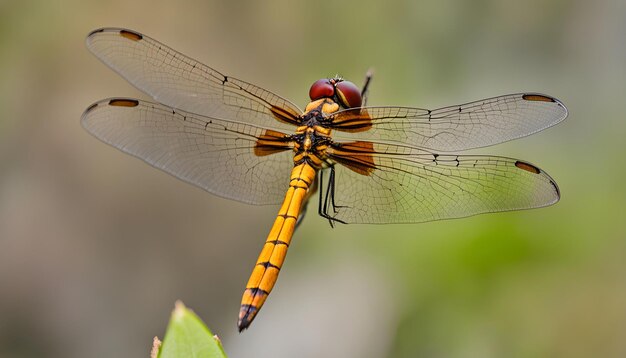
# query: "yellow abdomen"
{"points": [[272, 256]]}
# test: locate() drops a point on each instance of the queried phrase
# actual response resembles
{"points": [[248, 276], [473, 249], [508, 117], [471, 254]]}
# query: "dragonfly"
{"points": [[370, 164]]}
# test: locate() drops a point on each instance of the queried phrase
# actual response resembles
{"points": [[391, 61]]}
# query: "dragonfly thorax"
{"points": [[310, 144], [320, 109]]}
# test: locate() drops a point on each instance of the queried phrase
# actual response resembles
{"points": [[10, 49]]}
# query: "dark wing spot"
{"points": [[527, 167], [123, 102], [538, 98], [131, 35]]}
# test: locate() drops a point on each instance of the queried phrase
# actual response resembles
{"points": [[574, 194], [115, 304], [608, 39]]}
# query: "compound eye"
{"points": [[321, 89], [349, 94]]}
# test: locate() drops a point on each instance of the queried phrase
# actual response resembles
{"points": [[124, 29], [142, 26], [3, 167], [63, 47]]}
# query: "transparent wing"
{"points": [[384, 183], [180, 82], [222, 157], [454, 128]]}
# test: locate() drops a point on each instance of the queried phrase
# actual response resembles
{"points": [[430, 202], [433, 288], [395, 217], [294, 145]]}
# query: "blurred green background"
{"points": [[96, 246]]}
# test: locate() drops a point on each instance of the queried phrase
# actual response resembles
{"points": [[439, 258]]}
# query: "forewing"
{"points": [[384, 183], [230, 159], [454, 128], [180, 82]]}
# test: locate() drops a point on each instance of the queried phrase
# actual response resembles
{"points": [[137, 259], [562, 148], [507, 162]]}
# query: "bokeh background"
{"points": [[96, 246]]}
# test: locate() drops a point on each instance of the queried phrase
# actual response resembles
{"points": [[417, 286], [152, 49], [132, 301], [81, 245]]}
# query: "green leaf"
{"points": [[187, 336]]}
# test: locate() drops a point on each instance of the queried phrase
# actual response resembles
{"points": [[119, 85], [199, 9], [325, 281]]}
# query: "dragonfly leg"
{"points": [[368, 79], [331, 187], [327, 201]]}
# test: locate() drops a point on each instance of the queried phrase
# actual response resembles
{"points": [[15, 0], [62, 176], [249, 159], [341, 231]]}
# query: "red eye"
{"points": [[321, 89], [349, 94]]}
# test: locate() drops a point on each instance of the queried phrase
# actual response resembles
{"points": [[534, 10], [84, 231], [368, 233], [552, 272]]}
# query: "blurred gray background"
{"points": [[95, 246]]}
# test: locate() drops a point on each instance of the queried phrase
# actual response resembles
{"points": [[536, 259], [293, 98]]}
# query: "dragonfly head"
{"points": [[346, 93]]}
